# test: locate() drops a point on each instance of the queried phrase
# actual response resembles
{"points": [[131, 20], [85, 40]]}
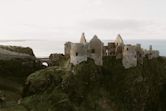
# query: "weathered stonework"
{"points": [[140, 54], [129, 56], [78, 53], [67, 48], [152, 53], [83, 39], [111, 49], [119, 52], [96, 50], [119, 41]]}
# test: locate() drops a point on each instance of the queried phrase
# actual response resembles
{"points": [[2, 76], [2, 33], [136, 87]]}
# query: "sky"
{"points": [[67, 19]]}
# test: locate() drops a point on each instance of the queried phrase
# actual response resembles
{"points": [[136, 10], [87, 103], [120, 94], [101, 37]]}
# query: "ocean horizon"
{"points": [[43, 48]]}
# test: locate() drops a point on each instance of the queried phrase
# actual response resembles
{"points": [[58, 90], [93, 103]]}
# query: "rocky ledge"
{"points": [[10, 52]]}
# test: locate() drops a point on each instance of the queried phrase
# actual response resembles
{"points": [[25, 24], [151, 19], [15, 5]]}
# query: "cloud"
{"points": [[127, 26]]}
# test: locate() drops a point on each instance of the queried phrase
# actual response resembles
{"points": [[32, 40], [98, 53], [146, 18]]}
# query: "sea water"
{"points": [[43, 48]]}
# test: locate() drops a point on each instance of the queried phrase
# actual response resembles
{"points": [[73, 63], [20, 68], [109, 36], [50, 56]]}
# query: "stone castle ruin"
{"points": [[80, 52], [131, 55]]}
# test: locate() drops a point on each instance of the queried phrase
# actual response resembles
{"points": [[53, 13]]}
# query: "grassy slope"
{"points": [[88, 87], [12, 77]]}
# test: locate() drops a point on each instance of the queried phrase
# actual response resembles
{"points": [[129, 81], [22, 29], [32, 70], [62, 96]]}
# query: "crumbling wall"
{"points": [[83, 39], [140, 54], [111, 49], [119, 52], [78, 53], [67, 48], [129, 56], [96, 50], [152, 53], [119, 41]]}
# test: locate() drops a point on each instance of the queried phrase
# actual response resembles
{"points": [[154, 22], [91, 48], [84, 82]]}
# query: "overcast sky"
{"points": [[67, 19]]}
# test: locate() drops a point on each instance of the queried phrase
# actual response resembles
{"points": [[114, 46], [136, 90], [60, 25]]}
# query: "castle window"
{"points": [[127, 49], [76, 53], [93, 51]]}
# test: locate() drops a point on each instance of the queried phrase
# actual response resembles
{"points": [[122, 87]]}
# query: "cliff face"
{"points": [[10, 52], [87, 87], [16, 63]]}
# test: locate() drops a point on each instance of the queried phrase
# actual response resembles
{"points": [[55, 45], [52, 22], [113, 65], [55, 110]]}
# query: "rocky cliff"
{"points": [[87, 87], [16, 63], [10, 52]]}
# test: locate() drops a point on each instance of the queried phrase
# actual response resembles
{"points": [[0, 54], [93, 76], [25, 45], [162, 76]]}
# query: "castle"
{"points": [[131, 55]]}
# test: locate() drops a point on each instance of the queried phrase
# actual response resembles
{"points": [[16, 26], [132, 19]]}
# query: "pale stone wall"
{"points": [[67, 48], [78, 53], [83, 39], [129, 56], [119, 40], [96, 50]]}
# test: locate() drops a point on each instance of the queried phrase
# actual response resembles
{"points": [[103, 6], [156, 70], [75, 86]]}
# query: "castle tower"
{"points": [[96, 50], [119, 41], [83, 39], [78, 53]]}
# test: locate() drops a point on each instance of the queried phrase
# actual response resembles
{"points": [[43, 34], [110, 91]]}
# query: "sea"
{"points": [[43, 48]]}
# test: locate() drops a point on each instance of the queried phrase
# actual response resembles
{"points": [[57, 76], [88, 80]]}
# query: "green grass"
{"points": [[87, 87]]}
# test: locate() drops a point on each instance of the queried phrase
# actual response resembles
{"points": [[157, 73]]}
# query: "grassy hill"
{"points": [[87, 87]]}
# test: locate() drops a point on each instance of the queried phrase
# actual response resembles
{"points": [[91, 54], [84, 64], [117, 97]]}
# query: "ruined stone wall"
{"points": [[129, 56], [119, 41], [150, 54], [140, 54], [96, 50], [153, 54], [78, 53], [67, 48], [119, 52], [83, 39], [111, 49]]}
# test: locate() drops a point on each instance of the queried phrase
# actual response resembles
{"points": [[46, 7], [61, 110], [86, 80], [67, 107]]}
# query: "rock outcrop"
{"points": [[17, 61], [12, 52]]}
